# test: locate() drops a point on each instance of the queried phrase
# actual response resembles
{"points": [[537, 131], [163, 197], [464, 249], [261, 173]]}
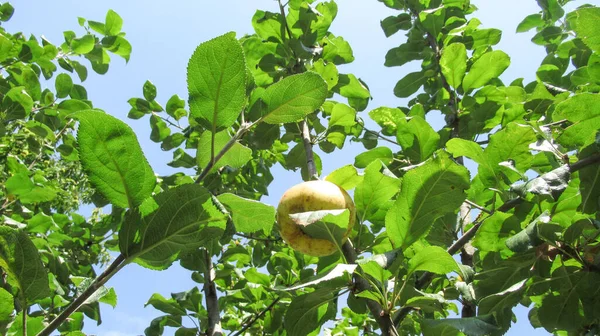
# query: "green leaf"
{"points": [[149, 90], [168, 306], [17, 104], [236, 157], [472, 326], [329, 225], [20, 260], [392, 24], [586, 24], [340, 270], [160, 129], [489, 66], [84, 44], [308, 312], [293, 98], [111, 156], [176, 107], [345, 177], [63, 84], [453, 63], [364, 159], [428, 192], [388, 118], [174, 221], [34, 325], [530, 22], [561, 310], [337, 50], [433, 21], [342, 115], [433, 259], [498, 227], [373, 195], [6, 306], [328, 71], [528, 237], [505, 299], [113, 24], [410, 84], [417, 138], [583, 111], [410, 51], [483, 38], [510, 143], [216, 80], [249, 215], [268, 26]]}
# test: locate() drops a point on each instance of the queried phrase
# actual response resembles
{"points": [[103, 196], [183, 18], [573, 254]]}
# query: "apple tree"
{"points": [[452, 229]]}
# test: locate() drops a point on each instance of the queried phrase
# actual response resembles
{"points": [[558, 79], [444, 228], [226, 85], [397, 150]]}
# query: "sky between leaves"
{"points": [[164, 35]]}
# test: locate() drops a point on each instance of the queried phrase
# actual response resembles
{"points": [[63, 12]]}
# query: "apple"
{"points": [[312, 196]]}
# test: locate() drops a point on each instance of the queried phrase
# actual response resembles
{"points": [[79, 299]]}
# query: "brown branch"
{"points": [[257, 317], [212, 301], [310, 157], [80, 300]]}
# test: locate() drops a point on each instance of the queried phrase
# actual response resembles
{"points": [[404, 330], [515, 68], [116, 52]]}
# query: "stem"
{"points": [[257, 317], [380, 136], [477, 206], [310, 157], [215, 158], [383, 319], [80, 300], [258, 238], [24, 321], [212, 301]]}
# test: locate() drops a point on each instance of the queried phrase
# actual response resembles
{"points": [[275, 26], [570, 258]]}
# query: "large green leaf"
{"points": [[583, 111], [249, 215], [113, 159], [433, 259], [586, 24], [489, 66], [453, 63], [216, 80], [345, 177], [6, 306], [176, 220], [410, 84], [308, 312], [427, 193], [418, 139], [20, 260], [392, 24], [293, 98], [373, 195]]}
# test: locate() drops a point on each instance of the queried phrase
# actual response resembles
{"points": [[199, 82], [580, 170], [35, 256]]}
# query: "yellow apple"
{"points": [[312, 196]]}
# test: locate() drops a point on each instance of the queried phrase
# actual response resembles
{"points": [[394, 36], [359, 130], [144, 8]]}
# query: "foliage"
{"points": [[268, 98]]}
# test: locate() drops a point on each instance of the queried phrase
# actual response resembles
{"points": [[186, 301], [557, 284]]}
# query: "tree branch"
{"points": [[80, 300], [256, 317], [212, 301], [240, 132], [310, 157], [361, 284]]}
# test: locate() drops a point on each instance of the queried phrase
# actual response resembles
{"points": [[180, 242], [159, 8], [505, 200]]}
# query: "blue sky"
{"points": [[164, 35]]}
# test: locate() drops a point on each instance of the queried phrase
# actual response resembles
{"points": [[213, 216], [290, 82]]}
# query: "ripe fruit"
{"points": [[312, 196]]}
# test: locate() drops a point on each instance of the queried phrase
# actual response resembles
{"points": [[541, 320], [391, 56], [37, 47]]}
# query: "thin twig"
{"points": [[80, 300], [256, 317], [168, 121], [212, 301], [240, 132], [377, 134], [477, 206], [258, 238]]}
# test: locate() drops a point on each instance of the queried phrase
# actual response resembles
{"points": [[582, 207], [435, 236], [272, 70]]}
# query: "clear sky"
{"points": [[164, 35]]}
